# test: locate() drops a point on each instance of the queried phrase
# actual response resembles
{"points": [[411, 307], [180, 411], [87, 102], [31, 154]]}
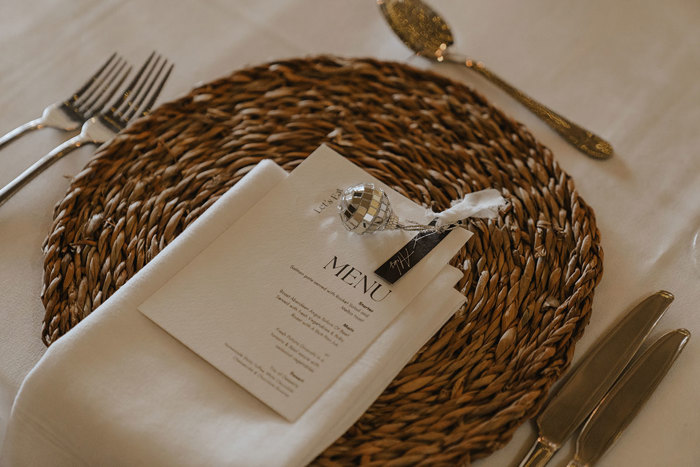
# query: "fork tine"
{"points": [[88, 104], [95, 85], [112, 91], [77, 94], [156, 93], [138, 91], [136, 104], [113, 110]]}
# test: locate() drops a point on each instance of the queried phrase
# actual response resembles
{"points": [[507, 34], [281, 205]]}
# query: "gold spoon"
{"points": [[427, 34]]}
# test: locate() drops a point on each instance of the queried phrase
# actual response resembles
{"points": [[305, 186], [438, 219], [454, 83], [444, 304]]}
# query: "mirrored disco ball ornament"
{"points": [[365, 209]]}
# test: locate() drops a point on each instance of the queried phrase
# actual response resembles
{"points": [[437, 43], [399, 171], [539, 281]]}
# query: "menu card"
{"points": [[285, 299]]}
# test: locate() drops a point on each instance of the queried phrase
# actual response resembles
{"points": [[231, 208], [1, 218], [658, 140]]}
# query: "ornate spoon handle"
{"points": [[585, 141]]}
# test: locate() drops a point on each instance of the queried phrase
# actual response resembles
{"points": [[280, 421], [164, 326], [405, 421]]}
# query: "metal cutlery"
{"points": [[621, 404], [85, 102], [137, 99], [593, 377], [426, 33]]}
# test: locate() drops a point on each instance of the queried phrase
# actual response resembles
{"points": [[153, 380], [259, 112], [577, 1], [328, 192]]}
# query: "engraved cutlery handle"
{"points": [[585, 141], [39, 166]]}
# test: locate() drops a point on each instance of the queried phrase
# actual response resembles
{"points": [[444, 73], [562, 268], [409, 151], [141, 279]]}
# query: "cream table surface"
{"points": [[626, 69]]}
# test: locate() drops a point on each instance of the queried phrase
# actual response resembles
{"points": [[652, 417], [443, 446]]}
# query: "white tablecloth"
{"points": [[628, 70]]}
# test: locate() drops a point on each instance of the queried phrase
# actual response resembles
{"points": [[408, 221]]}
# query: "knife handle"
{"points": [[540, 453]]}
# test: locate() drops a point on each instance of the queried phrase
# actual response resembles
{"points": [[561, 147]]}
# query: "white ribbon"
{"points": [[483, 204]]}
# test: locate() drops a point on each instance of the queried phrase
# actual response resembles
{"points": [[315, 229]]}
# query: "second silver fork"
{"points": [[140, 95], [85, 102]]}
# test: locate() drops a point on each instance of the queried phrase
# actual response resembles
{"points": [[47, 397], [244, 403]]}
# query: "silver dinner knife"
{"points": [[621, 404], [593, 377]]}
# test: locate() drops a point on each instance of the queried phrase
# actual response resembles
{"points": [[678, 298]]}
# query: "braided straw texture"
{"points": [[528, 278]]}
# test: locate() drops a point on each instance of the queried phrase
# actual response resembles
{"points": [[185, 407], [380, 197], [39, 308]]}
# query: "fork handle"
{"points": [[39, 166], [35, 124]]}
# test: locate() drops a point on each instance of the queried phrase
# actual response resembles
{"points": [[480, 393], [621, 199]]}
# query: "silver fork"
{"points": [[89, 99], [103, 127]]}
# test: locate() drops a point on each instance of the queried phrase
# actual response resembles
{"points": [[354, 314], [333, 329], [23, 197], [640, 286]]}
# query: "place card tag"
{"points": [[409, 255], [285, 299]]}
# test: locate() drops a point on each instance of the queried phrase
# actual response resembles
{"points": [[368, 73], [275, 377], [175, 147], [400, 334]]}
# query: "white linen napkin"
{"points": [[118, 390]]}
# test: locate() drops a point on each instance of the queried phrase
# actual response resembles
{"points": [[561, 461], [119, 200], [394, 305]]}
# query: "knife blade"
{"points": [[621, 404], [592, 378]]}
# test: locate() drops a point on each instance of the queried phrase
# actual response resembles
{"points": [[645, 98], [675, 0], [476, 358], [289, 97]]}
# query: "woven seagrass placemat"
{"points": [[528, 275]]}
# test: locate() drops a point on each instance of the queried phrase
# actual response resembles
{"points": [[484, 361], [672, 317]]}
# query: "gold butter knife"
{"points": [[621, 404], [593, 377]]}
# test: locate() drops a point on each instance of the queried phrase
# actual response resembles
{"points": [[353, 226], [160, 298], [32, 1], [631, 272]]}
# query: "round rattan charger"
{"points": [[528, 278]]}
